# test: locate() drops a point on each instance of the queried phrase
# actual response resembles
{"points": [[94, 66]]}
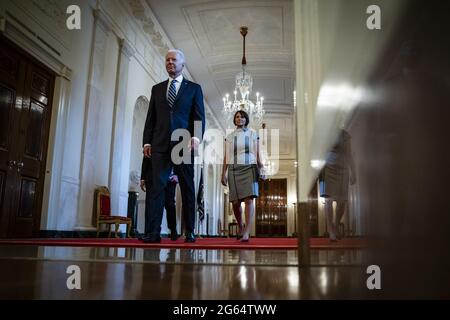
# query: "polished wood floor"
{"points": [[38, 272]]}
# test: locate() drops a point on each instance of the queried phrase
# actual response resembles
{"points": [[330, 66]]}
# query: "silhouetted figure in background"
{"points": [[338, 172]]}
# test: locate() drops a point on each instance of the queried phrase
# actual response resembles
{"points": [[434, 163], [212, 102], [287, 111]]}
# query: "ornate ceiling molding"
{"points": [[148, 25], [102, 20], [212, 24], [53, 10], [126, 48]]}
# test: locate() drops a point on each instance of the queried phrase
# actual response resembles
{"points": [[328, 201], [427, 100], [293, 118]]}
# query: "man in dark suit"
{"points": [[169, 200], [174, 104]]}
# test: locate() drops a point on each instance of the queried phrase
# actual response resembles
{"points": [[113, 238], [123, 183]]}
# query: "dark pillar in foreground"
{"points": [[303, 234], [133, 212]]}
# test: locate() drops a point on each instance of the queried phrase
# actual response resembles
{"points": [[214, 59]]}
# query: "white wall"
{"points": [[102, 70]]}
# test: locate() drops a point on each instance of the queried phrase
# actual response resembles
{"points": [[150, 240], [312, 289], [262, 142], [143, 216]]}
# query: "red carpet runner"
{"points": [[201, 243]]}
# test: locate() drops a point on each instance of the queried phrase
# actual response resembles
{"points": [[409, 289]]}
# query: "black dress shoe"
{"points": [[144, 236], [174, 236], [136, 235], [190, 238], [152, 240]]}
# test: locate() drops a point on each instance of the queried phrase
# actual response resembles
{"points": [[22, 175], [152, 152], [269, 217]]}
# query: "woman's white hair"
{"points": [[178, 52]]}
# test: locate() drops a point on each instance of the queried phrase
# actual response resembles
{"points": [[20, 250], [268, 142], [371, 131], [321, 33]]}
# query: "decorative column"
{"points": [[307, 87], [52, 203], [94, 118], [214, 208], [116, 168]]}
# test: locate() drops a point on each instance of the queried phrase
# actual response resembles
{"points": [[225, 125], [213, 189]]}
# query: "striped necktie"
{"points": [[172, 94]]}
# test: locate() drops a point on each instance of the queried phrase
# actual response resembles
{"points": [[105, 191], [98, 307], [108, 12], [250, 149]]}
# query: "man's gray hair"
{"points": [[179, 52]]}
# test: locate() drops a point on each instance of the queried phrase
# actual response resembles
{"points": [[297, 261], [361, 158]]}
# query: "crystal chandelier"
{"points": [[244, 83]]}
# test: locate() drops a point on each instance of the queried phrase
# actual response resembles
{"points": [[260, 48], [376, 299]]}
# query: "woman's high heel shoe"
{"points": [[245, 238]]}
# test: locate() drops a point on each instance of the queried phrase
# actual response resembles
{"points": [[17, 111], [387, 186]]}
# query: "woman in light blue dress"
{"points": [[243, 163]]}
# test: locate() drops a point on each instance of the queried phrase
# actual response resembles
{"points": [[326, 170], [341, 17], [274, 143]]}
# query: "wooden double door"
{"points": [[26, 91], [271, 208]]}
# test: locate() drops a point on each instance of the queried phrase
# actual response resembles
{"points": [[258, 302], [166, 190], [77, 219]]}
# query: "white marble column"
{"points": [[116, 168], [52, 186], [209, 198], [220, 199], [97, 120], [307, 88], [215, 205]]}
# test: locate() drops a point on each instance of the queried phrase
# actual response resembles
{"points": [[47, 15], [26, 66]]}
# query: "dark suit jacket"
{"points": [[162, 120]]}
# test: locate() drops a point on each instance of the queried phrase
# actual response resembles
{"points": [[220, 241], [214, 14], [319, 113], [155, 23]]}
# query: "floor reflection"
{"points": [[136, 273], [38, 279], [183, 256]]}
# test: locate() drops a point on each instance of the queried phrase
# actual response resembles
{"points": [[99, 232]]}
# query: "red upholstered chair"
{"points": [[103, 212]]}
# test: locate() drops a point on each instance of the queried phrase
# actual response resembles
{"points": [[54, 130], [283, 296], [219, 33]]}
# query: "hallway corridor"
{"points": [[358, 105]]}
